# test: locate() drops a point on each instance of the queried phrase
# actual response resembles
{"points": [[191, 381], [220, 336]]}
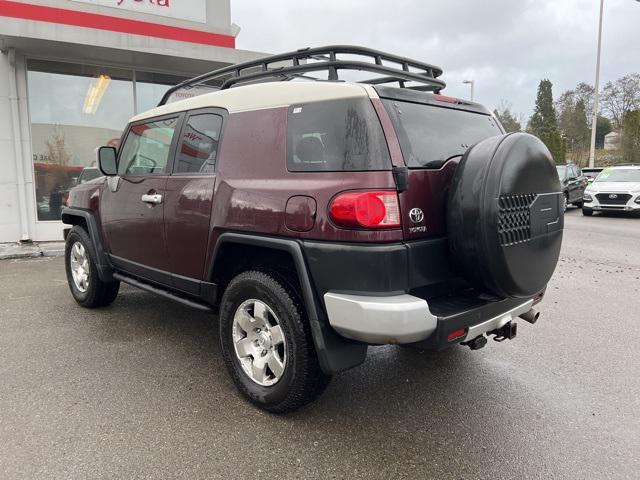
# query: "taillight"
{"points": [[365, 210]]}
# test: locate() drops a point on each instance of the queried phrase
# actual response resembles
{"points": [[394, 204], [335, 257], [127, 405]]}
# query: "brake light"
{"points": [[445, 99], [365, 210]]}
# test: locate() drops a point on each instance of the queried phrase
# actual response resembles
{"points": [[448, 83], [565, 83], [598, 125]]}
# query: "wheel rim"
{"points": [[259, 342], [565, 203], [79, 263]]}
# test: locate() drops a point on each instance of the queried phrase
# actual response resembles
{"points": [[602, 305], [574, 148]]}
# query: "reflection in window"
{"points": [[146, 149], [151, 87], [199, 144], [73, 110]]}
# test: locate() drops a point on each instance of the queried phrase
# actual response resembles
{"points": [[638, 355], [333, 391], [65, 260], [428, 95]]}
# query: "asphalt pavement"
{"points": [[139, 390]]}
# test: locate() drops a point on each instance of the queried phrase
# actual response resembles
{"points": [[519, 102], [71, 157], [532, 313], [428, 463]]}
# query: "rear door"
{"points": [[132, 204], [189, 197], [433, 135]]}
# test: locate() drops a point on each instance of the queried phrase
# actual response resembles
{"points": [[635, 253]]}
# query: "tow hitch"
{"points": [[507, 332]]}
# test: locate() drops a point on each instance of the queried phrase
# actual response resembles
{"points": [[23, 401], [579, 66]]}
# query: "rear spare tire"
{"points": [[505, 215]]}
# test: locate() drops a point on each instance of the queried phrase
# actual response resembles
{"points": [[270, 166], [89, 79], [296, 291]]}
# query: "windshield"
{"points": [[431, 135], [619, 175], [562, 171]]}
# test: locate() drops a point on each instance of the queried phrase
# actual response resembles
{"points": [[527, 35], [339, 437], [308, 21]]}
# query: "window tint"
{"points": [[431, 135], [343, 135], [199, 144], [562, 171], [146, 149]]}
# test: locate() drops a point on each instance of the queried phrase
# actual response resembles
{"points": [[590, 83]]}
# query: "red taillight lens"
{"points": [[366, 210]]}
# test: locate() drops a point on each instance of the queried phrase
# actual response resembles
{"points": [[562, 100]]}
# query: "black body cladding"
{"points": [[505, 215]]}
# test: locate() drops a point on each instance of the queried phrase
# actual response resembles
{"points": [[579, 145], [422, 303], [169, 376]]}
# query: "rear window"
{"points": [[431, 135], [336, 136]]}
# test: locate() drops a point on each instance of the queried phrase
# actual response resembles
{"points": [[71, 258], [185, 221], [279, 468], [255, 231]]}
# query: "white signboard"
{"points": [[193, 10]]}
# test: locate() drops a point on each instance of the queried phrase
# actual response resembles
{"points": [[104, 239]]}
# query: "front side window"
{"points": [[199, 146], [146, 149], [336, 136], [430, 135]]}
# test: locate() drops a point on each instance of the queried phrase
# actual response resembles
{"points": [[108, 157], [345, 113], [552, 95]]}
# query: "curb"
{"points": [[14, 251]]}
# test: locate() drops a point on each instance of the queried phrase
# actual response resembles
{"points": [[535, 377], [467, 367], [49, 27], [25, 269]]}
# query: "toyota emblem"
{"points": [[416, 215], [613, 195]]}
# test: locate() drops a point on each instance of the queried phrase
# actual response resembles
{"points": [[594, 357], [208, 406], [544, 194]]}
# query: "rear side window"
{"points": [[430, 135], [146, 149], [336, 136], [199, 146]]}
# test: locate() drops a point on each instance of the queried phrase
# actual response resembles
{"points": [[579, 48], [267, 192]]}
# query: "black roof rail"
{"points": [[318, 59]]}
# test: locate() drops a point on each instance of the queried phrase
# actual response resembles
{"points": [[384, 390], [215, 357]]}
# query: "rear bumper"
{"points": [[403, 319], [379, 320]]}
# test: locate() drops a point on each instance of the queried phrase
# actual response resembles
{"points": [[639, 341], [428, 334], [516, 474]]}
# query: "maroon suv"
{"points": [[320, 216]]}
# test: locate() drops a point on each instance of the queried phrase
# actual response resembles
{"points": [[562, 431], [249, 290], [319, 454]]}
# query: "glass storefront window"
{"points": [[151, 87], [73, 110]]}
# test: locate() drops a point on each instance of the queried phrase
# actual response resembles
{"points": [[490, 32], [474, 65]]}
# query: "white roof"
{"points": [[264, 95]]}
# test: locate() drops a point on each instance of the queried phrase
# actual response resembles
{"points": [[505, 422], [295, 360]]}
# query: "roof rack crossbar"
{"points": [[321, 59]]}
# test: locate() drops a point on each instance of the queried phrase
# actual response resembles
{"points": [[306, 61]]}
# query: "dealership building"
{"points": [[72, 73]]}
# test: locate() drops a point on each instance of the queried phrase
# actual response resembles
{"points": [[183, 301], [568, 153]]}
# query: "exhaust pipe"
{"points": [[531, 316]]}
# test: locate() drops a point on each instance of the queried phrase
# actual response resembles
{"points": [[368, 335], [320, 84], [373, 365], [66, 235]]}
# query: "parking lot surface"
{"points": [[139, 390]]}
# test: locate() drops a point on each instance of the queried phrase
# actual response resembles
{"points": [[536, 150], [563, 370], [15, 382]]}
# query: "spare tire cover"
{"points": [[505, 215]]}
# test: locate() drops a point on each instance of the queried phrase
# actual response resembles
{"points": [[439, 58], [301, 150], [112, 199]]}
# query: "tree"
{"points": [[544, 122], [573, 123], [603, 127], [621, 97], [631, 137], [508, 120]]}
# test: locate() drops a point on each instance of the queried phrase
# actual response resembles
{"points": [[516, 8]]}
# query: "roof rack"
{"points": [[319, 59]]}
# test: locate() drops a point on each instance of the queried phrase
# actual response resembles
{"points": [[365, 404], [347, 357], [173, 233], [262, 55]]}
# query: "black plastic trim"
{"points": [[105, 270], [161, 291], [370, 269], [335, 353]]}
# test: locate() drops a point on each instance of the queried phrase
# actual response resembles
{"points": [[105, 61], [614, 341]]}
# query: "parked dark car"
{"points": [[321, 217], [573, 184]]}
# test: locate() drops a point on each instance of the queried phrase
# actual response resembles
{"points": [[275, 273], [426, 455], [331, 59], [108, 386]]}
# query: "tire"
{"points": [[92, 292], [505, 216], [578, 204], [587, 212], [301, 381]]}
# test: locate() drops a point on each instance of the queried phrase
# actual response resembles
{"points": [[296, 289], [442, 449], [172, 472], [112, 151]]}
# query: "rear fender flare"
{"points": [[335, 353]]}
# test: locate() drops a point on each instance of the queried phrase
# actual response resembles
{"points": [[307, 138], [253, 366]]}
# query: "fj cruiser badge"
{"points": [[416, 215]]}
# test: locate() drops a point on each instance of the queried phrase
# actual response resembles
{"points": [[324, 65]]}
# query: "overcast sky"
{"points": [[506, 46]]}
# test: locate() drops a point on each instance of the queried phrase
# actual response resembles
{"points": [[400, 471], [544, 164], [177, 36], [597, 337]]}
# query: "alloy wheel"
{"points": [[259, 342], [79, 267]]}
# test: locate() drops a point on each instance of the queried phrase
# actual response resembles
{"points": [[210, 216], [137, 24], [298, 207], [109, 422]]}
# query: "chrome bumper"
{"points": [[398, 319]]}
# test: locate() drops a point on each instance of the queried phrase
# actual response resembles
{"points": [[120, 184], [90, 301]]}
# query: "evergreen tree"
{"points": [[506, 118], [631, 137], [544, 122]]}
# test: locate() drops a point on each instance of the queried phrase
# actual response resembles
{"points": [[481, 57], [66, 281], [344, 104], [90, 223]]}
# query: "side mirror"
{"points": [[107, 161]]}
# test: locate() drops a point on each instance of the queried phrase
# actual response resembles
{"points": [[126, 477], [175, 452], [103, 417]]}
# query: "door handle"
{"points": [[154, 199]]}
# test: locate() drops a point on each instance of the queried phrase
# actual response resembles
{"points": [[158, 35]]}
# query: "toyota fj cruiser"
{"points": [[320, 216]]}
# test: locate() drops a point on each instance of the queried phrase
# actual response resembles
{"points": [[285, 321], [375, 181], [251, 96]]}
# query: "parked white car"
{"points": [[615, 189]]}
